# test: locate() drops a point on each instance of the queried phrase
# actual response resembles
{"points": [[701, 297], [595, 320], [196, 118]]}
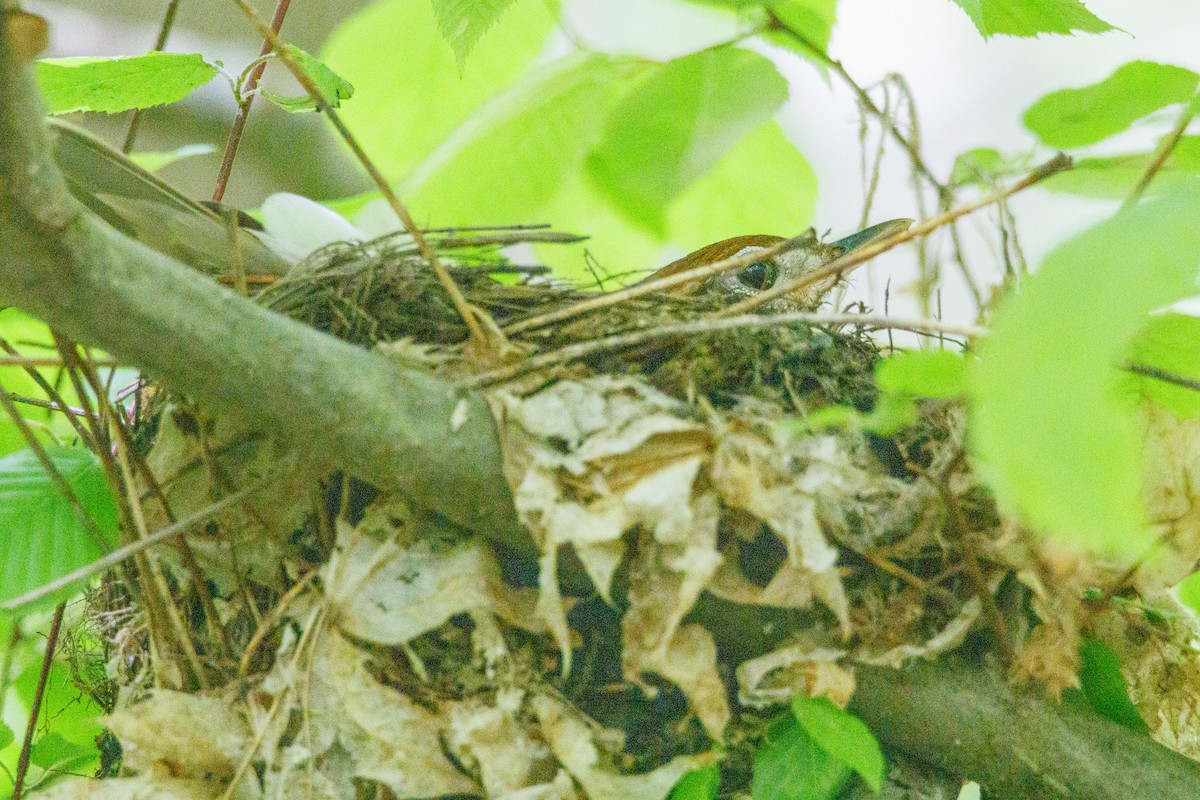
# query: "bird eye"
{"points": [[759, 276]]}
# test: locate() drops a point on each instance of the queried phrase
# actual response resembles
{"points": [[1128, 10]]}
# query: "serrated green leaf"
{"points": [[154, 160], [807, 27], [1078, 117], [1031, 17], [113, 85], [1171, 343], [791, 766], [676, 125], [699, 784], [843, 735], [941, 374], [1113, 177], [1053, 420], [1104, 685], [333, 87], [412, 95], [41, 537], [463, 22]]}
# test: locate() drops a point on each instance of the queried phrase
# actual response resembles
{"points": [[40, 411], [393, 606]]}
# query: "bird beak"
{"points": [[873, 234]]}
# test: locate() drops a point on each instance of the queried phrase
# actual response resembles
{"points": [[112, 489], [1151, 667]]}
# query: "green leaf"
{"points": [[843, 735], [1031, 17], [970, 791], [54, 751], [699, 784], [1053, 420], [514, 157], [1171, 343], [1188, 591], [154, 160], [41, 537], [940, 374], [66, 711], [718, 206], [333, 88], [805, 27], [463, 22], [1104, 685], [1078, 117], [32, 338], [1113, 177], [412, 95], [113, 85], [6, 736], [676, 125], [791, 766]]}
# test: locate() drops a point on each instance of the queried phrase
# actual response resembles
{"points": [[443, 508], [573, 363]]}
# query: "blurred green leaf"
{"points": [[812, 20], [1078, 117], [412, 95], [6, 736], [463, 22], [516, 155], [1055, 432], [699, 784], [1031, 17], [782, 199], [1171, 343], [66, 710], [1188, 591], [113, 85], [843, 735], [154, 160], [969, 791], [1103, 684], [923, 373], [333, 88], [674, 126], [54, 751], [41, 537], [32, 338], [791, 766], [1113, 177]]}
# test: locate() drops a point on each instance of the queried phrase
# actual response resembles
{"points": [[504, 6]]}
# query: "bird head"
{"points": [[809, 254]]}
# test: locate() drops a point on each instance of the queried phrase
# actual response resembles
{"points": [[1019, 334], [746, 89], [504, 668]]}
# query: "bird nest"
{"points": [[701, 555]]}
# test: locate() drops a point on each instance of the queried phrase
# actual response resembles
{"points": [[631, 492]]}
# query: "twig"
{"points": [[244, 103], [120, 554], [651, 286], [1164, 375], [164, 31], [840, 266], [49, 405], [469, 315], [1163, 152], [622, 341], [35, 708]]}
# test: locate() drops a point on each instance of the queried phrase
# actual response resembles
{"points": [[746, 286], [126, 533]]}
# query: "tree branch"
{"points": [[346, 407]]}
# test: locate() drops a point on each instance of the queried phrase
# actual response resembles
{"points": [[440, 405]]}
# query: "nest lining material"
{"points": [[699, 565]]}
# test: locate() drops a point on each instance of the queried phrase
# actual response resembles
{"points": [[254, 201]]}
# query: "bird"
{"points": [[809, 254]]}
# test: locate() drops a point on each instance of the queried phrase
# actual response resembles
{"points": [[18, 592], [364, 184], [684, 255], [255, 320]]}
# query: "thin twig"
{"points": [[135, 548], [35, 708], [656, 285], [840, 266], [164, 31], [1165, 376], [623, 341], [244, 103], [470, 316], [50, 405], [1163, 152]]}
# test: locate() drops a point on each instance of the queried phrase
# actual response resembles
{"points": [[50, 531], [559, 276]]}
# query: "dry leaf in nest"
{"points": [[493, 744], [1172, 492], [388, 582], [800, 668], [574, 744], [356, 727], [183, 735], [144, 787]]}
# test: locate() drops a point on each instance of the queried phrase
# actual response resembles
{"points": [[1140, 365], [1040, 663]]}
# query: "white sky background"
{"points": [[969, 93]]}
